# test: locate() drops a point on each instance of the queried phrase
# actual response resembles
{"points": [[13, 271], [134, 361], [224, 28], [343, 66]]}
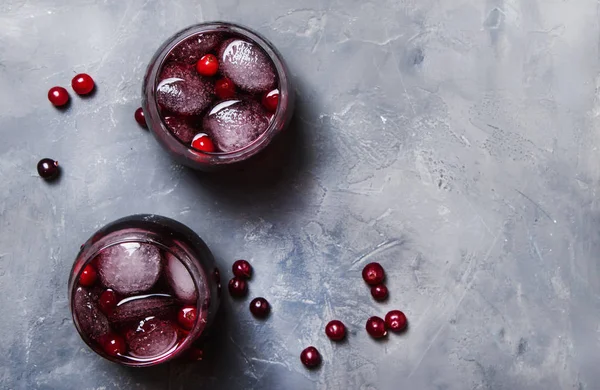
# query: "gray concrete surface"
{"points": [[455, 142]]}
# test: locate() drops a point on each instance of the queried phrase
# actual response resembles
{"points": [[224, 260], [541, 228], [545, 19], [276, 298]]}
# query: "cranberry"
{"points": [[203, 143], [373, 273], [242, 269], [310, 357], [376, 327], [238, 287], [139, 117], [88, 276], [47, 168], [395, 321], [113, 345], [195, 354], [108, 301], [259, 307], [270, 100], [335, 330], [187, 317], [207, 65], [224, 88], [58, 96], [379, 292], [82, 84]]}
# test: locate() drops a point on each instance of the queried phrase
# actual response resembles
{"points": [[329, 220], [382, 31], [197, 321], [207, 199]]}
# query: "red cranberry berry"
{"points": [[335, 330], [310, 357], [187, 317], [208, 65], [224, 88], [376, 327], [270, 100], [242, 269], [139, 117], [259, 307], [108, 301], [88, 276], [395, 321], [114, 345], [195, 354], [58, 96], [238, 287], [82, 84], [373, 273], [47, 168], [203, 143], [379, 292]]}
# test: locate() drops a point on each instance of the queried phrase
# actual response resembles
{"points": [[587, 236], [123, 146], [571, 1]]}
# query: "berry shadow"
{"points": [[269, 179], [65, 107]]}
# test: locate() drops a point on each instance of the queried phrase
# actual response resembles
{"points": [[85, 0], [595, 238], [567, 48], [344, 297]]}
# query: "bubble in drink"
{"points": [[246, 65], [180, 280], [130, 268], [91, 320], [153, 337], [194, 47], [182, 127], [138, 308], [234, 124], [183, 91]]}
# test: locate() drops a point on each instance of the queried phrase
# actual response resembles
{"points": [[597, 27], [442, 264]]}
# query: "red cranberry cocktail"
{"points": [[143, 289], [215, 94]]}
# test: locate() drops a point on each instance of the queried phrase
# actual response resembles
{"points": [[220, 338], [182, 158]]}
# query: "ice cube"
{"points": [[129, 268], [194, 47], [152, 338], [183, 91], [183, 128], [180, 280], [234, 124], [137, 308], [91, 320], [246, 65]]}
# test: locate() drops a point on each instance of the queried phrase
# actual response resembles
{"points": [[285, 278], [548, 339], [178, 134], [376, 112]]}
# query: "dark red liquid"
{"points": [[233, 106], [135, 299]]}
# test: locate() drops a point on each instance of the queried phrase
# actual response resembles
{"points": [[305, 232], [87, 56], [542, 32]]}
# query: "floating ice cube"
{"points": [[152, 338], [130, 267], [91, 320], [183, 128], [137, 308], [180, 280], [190, 50], [183, 91], [234, 124], [246, 65]]}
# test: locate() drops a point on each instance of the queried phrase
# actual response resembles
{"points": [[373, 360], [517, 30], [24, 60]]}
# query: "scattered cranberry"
{"points": [[139, 117], [108, 301], [259, 307], [47, 168], [88, 276], [187, 317], [242, 269], [379, 292], [310, 357], [208, 65], [58, 96], [376, 327], [238, 287], [335, 330], [203, 143], [373, 273], [82, 84], [395, 321], [224, 88], [195, 354], [270, 100], [114, 345]]}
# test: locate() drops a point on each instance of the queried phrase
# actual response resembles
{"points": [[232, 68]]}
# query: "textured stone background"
{"points": [[455, 142]]}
